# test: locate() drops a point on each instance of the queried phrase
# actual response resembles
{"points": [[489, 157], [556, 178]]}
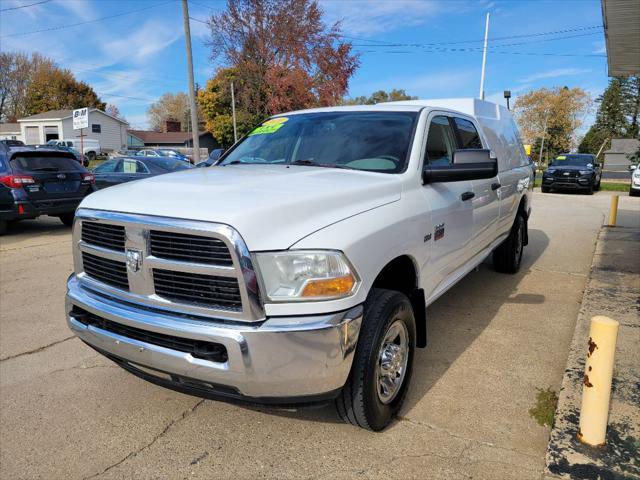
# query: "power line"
{"points": [[25, 6], [429, 45], [510, 37], [63, 27], [475, 50]]}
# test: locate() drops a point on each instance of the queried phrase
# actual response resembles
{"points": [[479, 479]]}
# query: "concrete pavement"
{"points": [[66, 412]]}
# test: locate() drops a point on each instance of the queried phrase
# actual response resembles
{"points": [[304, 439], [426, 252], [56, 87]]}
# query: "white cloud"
{"points": [[370, 17], [558, 72], [150, 38], [599, 47]]}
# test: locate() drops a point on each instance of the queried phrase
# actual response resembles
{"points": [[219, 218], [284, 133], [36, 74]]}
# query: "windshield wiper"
{"points": [[240, 162], [312, 163]]}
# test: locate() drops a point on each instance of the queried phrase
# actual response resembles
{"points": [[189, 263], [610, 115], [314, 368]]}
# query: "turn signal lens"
{"points": [[330, 287]]}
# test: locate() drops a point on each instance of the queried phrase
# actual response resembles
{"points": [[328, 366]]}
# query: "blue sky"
{"points": [[132, 59]]}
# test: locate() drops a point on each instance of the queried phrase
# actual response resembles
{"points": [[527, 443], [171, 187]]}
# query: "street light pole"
{"points": [[484, 57], [192, 92], [544, 133], [233, 111]]}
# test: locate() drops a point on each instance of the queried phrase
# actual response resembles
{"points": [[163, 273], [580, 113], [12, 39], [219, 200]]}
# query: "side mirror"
{"points": [[469, 164]]}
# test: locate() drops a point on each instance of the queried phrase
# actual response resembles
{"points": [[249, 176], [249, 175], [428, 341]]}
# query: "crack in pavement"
{"points": [[460, 437], [36, 350], [157, 437]]}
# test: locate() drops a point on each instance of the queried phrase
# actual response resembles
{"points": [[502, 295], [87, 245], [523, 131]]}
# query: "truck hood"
{"points": [[271, 206]]}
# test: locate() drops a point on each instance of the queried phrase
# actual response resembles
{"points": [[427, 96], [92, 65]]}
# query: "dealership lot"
{"points": [[493, 339]]}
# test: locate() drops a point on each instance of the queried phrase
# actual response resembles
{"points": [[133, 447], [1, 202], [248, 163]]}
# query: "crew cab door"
{"points": [[486, 192], [451, 212]]}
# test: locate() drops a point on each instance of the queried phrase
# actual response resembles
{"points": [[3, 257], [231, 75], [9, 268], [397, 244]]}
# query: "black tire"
{"points": [[91, 156], [3, 227], [67, 218], [589, 190], [597, 186], [360, 402], [507, 257], [545, 189]]}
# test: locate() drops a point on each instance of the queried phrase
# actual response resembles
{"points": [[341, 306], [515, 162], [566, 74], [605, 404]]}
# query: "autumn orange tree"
{"points": [[280, 55], [564, 109]]}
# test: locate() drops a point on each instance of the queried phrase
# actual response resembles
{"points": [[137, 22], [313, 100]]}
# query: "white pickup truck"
{"points": [[298, 270]]}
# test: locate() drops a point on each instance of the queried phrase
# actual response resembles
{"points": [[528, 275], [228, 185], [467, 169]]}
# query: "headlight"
{"points": [[636, 175], [306, 275], [549, 172], [585, 172]]}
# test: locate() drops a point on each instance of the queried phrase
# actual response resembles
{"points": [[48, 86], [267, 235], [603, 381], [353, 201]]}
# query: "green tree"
{"points": [[380, 96], [215, 103], [617, 116]]}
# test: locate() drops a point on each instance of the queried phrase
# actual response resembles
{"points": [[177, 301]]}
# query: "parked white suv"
{"points": [[300, 268]]}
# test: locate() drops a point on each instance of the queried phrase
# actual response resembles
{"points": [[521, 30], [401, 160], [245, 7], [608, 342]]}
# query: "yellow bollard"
{"points": [[598, 372], [613, 211]]}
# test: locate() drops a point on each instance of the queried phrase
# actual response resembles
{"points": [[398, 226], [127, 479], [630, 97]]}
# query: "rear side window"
{"points": [[468, 134], [41, 163], [107, 167]]}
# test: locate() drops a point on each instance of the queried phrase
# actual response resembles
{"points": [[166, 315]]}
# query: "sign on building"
{"points": [[80, 118]]}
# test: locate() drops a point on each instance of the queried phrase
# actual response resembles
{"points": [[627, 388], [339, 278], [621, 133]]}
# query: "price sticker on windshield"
{"points": [[561, 157], [270, 126]]}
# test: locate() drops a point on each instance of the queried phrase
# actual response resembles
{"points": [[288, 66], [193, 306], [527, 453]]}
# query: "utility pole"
{"points": [[544, 134], [192, 92], [484, 57], [233, 111]]}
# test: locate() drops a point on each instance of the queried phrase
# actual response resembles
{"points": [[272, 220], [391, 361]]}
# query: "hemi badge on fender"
{"points": [[439, 232]]}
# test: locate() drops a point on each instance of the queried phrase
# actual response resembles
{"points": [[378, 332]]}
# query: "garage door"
{"points": [[32, 136]]}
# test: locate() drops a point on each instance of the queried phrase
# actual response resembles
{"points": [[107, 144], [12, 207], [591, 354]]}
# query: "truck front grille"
{"points": [[187, 267], [111, 272], [104, 235], [214, 352], [207, 290], [189, 248]]}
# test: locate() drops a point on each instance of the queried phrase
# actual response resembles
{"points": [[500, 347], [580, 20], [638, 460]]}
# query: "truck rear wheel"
{"points": [[508, 255], [381, 370]]}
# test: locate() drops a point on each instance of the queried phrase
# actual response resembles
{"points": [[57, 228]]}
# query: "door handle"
{"points": [[467, 196], [495, 186]]}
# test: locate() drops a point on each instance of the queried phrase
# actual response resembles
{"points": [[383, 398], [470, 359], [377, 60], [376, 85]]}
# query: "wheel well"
{"points": [[401, 275]]}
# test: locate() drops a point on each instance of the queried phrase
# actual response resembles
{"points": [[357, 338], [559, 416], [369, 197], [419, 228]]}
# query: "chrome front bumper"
{"points": [[280, 358]]}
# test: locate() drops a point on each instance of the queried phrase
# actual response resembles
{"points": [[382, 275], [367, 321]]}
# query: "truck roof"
{"points": [[470, 106]]}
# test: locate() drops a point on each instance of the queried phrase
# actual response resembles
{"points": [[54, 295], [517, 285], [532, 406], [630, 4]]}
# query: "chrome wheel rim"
{"points": [[391, 364]]}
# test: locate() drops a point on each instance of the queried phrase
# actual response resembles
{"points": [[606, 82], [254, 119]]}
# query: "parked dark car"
{"points": [[572, 171], [162, 152], [12, 143], [40, 181], [126, 169], [212, 159]]}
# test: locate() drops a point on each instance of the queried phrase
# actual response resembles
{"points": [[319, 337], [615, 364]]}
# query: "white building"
{"points": [[10, 131], [110, 131]]}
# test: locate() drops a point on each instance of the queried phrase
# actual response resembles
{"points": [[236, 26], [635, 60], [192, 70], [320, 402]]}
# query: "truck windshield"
{"points": [[572, 160], [372, 141]]}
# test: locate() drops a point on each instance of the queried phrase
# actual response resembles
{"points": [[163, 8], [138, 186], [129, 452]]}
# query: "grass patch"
{"points": [[545, 408], [94, 163], [614, 187]]}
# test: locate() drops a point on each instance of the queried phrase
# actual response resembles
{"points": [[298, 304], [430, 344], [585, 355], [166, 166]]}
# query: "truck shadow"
{"points": [[454, 322]]}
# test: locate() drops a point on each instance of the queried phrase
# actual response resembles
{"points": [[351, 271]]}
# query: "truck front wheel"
{"points": [[381, 370]]}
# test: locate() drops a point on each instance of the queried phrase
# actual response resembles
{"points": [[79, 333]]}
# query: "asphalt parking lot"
{"points": [[493, 339]]}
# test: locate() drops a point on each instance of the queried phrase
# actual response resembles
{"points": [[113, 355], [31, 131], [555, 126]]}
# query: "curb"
{"points": [[611, 290]]}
